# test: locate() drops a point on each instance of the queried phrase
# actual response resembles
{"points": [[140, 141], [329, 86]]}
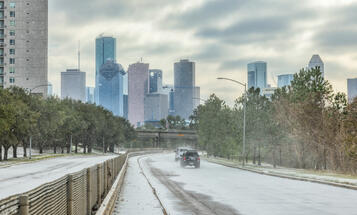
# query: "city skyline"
{"points": [[215, 47]]}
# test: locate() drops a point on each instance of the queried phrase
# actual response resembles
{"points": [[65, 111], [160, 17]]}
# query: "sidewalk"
{"points": [[323, 177]]}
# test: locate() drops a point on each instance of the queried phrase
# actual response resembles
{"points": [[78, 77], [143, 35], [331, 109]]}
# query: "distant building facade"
{"points": [[155, 80], [24, 45], [110, 87], [105, 49], [138, 87], [49, 89], [184, 87], [257, 75], [73, 85], [156, 107], [268, 92], [285, 80], [125, 106], [316, 61], [172, 102], [197, 97], [351, 89], [90, 95]]}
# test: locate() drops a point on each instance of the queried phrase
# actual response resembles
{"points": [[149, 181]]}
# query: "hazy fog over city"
{"points": [[221, 36]]}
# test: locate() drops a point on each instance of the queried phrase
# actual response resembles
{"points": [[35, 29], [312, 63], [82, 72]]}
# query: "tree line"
{"points": [[54, 123], [304, 125]]}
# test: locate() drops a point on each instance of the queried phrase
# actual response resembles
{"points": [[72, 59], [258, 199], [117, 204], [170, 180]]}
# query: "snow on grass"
{"points": [[300, 173]]}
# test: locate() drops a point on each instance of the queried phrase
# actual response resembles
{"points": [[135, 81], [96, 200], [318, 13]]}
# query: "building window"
{"points": [[1, 71], [12, 60], [12, 13], [12, 32], [12, 42], [12, 23], [12, 4], [12, 80], [12, 51], [12, 70]]}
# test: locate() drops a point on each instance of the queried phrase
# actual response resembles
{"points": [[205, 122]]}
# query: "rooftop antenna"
{"points": [[79, 56]]}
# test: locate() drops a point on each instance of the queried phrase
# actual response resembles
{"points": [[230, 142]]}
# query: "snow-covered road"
{"points": [[215, 189], [22, 178]]}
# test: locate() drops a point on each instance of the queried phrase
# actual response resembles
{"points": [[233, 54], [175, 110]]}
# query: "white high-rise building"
{"points": [[73, 85], [24, 44], [317, 62]]}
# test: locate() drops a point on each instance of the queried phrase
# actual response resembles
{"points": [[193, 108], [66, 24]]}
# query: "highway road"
{"points": [[215, 189]]}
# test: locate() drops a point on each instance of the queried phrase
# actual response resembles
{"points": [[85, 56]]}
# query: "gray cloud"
{"points": [[80, 12], [224, 35], [208, 13]]}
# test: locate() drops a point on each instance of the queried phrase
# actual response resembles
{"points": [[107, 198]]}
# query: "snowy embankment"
{"points": [[24, 177], [347, 181]]}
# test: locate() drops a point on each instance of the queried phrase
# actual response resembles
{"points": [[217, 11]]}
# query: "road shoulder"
{"points": [[289, 173]]}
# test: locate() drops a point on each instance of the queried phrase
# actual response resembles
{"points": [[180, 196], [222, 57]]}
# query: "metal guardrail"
{"points": [[79, 193]]}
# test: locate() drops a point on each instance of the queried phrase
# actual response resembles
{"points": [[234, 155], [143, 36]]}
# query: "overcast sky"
{"points": [[221, 36]]}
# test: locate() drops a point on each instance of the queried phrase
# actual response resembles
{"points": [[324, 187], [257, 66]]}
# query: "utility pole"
{"points": [[30, 153], [244, 112], [70, 147], [42, 85]]}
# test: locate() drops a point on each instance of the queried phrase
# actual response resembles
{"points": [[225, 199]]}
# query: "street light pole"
{"points": [[244, 120], [43, 85], [30, 147], [244, 112]]}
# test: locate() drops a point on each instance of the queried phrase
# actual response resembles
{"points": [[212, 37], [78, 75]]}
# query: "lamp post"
{"points": [[244, 110], [42, 85]]}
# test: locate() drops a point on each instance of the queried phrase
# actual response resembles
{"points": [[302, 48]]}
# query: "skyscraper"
{"points": [[105, 49], [90, 95], [155, 80], [172, 103], [125, 106], [184, 87], [156, 107], [24, 44], [138, 87], [197, 97], [351, 89], [257, 75], [285, 80], [49, 89], [110, 87], [317, 62], [73, 85]]}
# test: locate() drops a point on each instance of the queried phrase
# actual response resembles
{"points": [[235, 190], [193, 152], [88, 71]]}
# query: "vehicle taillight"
{"points": [[184, 158], [198, 158]]}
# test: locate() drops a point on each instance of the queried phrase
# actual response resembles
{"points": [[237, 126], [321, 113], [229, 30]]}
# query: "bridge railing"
{"points": [[79, 193]]}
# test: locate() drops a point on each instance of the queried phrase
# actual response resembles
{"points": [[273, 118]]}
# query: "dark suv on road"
{"points": [[191, 158]]}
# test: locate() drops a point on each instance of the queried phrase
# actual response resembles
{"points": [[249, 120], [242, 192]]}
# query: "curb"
{"points": [[108, 205], [352, 187]]}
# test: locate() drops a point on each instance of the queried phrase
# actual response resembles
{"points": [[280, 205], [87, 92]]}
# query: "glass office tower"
{"points": [[257, 75], [105, 49], [110, 87]]}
